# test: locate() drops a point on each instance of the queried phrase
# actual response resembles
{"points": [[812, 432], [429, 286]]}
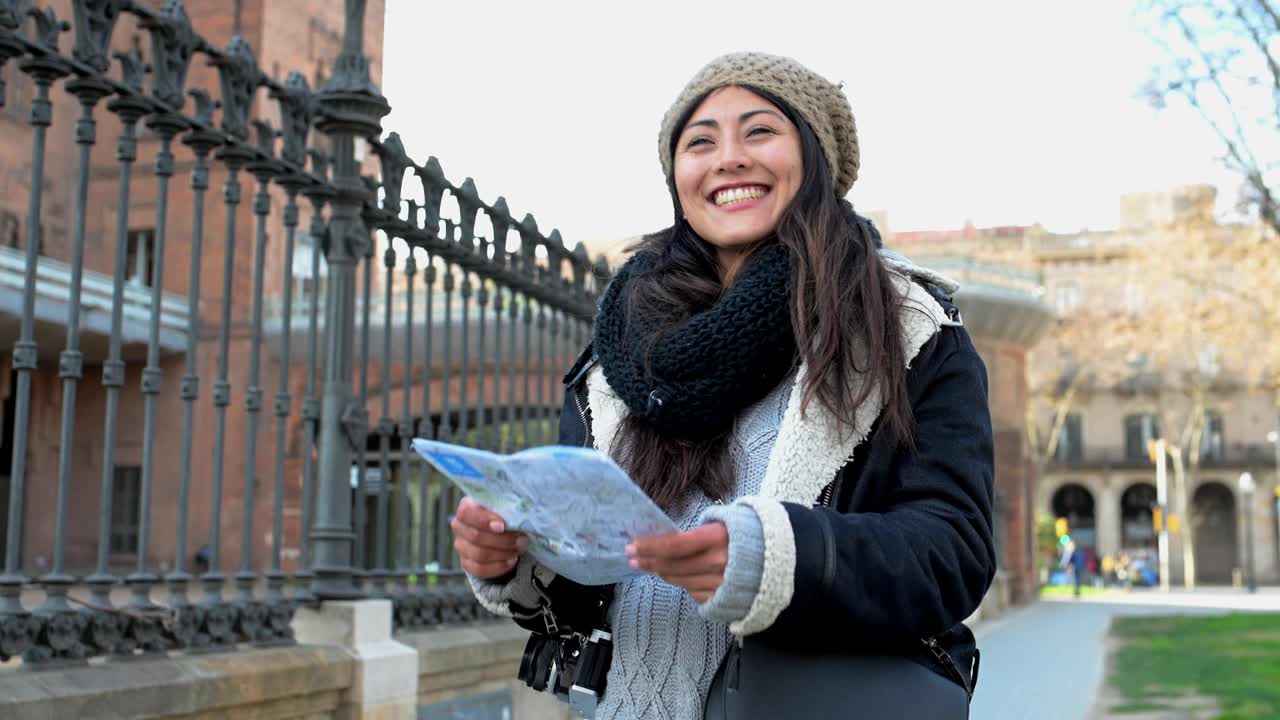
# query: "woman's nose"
{"points": [[733, 156]]}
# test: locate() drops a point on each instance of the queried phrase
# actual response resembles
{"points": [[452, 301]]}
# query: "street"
{"points": [[1045, 661]]}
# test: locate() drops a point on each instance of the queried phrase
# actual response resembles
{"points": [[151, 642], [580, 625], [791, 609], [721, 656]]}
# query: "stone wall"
{"points": [[303, 682], [469, 661], [348, 677]]}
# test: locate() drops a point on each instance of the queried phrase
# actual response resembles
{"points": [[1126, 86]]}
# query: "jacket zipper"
{"points": [[586, 434], [945, 658], [830, 492], [577, 401]]}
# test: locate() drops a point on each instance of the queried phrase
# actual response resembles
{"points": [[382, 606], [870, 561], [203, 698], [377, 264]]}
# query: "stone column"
{"points": [[385, 682], [1107, 515]]}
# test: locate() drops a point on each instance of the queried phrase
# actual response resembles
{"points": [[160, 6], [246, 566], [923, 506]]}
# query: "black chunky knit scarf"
{"points": [[712, 365]]}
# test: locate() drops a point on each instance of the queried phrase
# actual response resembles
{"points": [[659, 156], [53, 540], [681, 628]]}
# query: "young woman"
{"points": [[807, 408]]}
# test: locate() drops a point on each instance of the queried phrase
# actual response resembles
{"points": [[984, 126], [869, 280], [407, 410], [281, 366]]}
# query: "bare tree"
{"points": [[1211, 330], [1224, 63]]}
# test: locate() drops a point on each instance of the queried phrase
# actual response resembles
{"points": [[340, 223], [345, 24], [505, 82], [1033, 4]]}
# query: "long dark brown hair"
{"points": [[841, 299]]}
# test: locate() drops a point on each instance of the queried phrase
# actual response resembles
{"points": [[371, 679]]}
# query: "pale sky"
{"points": [[999, 112]]}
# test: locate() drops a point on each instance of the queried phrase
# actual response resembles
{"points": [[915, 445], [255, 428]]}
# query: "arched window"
{"points": [[1075, 503], [1136, 529]]}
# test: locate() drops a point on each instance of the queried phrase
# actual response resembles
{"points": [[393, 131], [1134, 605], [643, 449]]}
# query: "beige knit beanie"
{"points": [[820, 102]]}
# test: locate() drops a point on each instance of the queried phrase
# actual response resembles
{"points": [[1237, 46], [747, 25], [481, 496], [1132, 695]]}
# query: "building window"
{"points": [[14, 235], [126, 490], [1139, 431], [1066, 298], [10, 229], [140, 262], [1212, 438], [1070, 440], [303, 255]]}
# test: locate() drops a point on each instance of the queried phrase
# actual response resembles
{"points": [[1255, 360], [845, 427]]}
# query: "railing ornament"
{"points": [[47, 28], [132, 69], [468, 205], [433, 186], [239, 75], [95, 20], [394, 162], [501, 220], [265, 137], [12, 13], [530, 238], [296, 107], [173, 42]]}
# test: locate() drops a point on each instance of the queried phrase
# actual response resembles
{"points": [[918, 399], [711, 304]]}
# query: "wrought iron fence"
{"points": [[373, 520]]}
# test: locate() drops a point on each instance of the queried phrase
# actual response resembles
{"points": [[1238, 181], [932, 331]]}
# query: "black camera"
{"points": [[572, 667]]}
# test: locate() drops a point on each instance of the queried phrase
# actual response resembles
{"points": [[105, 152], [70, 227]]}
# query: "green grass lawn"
{"points": [[1233, 659], [1066, 591]]}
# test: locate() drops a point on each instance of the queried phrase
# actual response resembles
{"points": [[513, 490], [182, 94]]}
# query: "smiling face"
{"points": [[737, 166]]}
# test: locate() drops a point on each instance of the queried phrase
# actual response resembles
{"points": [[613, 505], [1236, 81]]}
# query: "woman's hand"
{"points": [[694, 560], [487, 551]]}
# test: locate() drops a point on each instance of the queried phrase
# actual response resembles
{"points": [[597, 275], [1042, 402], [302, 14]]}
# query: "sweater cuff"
{"points": [[497, 594], [735, 596]]}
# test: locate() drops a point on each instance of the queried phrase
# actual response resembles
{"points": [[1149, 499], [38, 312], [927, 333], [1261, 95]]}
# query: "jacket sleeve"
{"points": [[923, 564]]}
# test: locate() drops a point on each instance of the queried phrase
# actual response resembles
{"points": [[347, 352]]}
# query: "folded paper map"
{"points": [[577, 506]]}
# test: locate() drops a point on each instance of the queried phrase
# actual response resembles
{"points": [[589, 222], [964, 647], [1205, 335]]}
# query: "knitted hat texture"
{"points": [[819, 101]]}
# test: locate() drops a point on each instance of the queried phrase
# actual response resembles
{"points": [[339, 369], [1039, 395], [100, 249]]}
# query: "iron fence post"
{"points": [[350, 106]]}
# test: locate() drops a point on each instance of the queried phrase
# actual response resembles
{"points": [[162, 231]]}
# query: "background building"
{"points": [[1145, 347]]}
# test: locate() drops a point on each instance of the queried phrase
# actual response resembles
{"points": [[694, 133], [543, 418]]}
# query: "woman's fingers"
{"points": [[510, 541], [487, 571], [470, 513], [712, 560], [483, 554], [484, 562], [485, 548], [677, 545], [694, 560], [706, 583]]}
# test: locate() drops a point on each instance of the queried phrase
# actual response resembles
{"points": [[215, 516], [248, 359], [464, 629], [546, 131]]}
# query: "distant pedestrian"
{"points": [[1076, 560]]}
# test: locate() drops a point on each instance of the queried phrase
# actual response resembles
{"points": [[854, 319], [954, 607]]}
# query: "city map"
{"points": [[577, 506]]}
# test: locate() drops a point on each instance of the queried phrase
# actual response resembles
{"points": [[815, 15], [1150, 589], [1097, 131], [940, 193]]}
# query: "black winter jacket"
{"points": [[905, 550]]}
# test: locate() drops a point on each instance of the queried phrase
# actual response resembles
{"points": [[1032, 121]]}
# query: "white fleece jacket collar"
{"points": [[810, 450]]}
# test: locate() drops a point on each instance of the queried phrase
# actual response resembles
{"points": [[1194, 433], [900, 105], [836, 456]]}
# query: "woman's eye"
{"points": [[697, 141], [760, 130]]}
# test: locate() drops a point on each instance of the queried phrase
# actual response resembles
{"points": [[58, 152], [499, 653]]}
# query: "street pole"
{"points": [[350, 107], [1247, 487], [1274, 436], [1162, 503]]}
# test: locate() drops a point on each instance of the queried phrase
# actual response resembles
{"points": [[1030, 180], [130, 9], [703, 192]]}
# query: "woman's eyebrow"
{"points": [[708, 122]]}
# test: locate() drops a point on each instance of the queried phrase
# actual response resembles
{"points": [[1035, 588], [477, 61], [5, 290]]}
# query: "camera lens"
{"points": [[546, 656], [528, 661]]}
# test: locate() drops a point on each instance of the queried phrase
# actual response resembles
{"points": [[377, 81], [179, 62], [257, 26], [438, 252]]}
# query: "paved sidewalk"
{"points": [[1045, 661]]}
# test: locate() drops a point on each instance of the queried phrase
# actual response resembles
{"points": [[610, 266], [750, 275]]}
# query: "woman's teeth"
{"points": [[739, 194]]}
